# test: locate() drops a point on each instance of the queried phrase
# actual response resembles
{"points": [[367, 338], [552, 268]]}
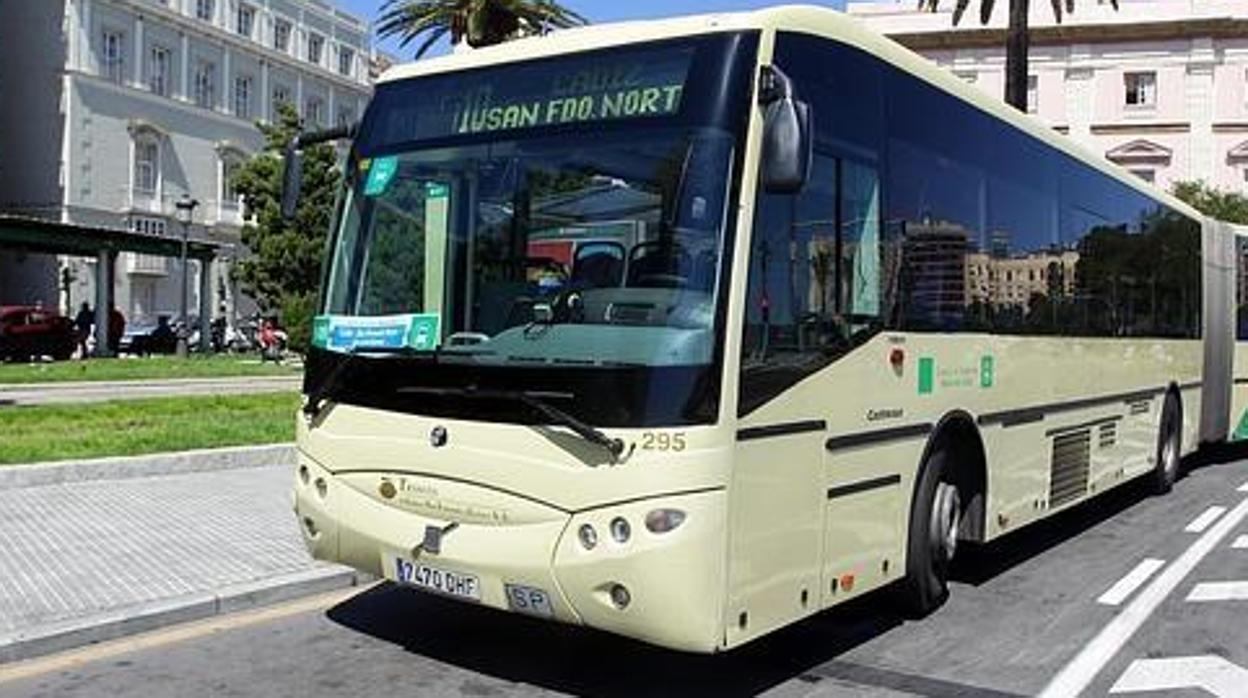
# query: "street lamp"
{"points": [[186, 214]]}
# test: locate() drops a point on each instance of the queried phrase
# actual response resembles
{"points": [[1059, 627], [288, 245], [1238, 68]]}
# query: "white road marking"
{"points": [[1240, 543], [1079, 672], [1207, 517], [1219, 591], [1211, 673], [1243, 487], [1132, 581]]}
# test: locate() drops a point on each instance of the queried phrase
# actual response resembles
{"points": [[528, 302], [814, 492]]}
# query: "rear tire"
{"points": [[1169, 445], [935, 517]]}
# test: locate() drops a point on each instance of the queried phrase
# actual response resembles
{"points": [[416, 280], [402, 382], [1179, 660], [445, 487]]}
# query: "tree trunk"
{"points": [[1016, 46]]}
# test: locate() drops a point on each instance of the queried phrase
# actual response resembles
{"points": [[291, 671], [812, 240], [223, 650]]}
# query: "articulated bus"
{"points": [[686, 330]]}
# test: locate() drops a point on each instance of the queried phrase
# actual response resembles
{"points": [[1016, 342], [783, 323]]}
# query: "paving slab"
{"points": [[91, 560]]}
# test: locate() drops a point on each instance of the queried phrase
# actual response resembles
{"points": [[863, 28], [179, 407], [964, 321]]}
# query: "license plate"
{"points": [[457, 584], [529, 600]]}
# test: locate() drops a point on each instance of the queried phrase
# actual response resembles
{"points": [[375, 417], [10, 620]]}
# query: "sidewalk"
{"points": [[97, 391], [85, 561]]}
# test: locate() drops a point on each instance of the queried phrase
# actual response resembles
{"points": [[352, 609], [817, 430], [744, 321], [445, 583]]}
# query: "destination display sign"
{"points": [[633, 85]]}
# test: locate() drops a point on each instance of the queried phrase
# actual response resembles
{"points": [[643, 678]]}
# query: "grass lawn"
{"points": [[152, 367], [153, 425]]}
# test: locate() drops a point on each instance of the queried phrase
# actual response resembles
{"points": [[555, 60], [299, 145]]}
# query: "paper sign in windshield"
{"points": [[421, 331]]}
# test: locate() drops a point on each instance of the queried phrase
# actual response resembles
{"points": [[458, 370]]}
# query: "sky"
{"points": [[599, 11]]}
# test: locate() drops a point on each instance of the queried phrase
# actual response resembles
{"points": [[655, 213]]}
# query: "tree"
{"points": [[1017, 41], [479, 22], [283, 271], [1228, 206]]}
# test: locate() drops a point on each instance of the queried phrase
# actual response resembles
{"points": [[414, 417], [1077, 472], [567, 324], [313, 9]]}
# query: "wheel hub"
{"points": [[946, 513]]}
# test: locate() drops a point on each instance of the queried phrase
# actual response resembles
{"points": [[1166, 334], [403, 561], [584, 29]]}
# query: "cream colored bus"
{"points": [[829, 311]]}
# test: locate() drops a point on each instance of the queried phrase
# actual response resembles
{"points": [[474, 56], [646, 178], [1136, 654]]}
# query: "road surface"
{"points": [[1133, 594]]}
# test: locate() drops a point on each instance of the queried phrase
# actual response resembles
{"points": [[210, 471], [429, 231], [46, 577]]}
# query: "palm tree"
{"points": [[1016, 39], [479, 22]]}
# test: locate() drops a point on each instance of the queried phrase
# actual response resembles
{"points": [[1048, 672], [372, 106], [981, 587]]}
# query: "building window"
{"points": [[159, 60], [281, 36], [281, 95], [146, 225], [346, 61], [205, 84], [242, 96], [1141, 89], [230, 166], [245, 20], [1033, 94], [346, 115], [315, 45], [314, 111], [146, 166], [204, 9], [113, 55], [1145, 174]]}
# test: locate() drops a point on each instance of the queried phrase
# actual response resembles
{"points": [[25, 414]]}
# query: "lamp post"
{"points": [[186, 215]]}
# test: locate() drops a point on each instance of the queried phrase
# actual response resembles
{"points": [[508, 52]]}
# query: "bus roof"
{"points": [[818, 21]]}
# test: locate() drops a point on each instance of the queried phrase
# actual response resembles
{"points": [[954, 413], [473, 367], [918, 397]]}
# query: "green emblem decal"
{"points": [[380, 174], [1241, 429], [423, 334], [985, 372], [927, 374], [320, 331]]}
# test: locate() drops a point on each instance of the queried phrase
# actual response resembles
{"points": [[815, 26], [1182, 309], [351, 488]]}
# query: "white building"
{"points": [[113, 109], [1160, 86]]}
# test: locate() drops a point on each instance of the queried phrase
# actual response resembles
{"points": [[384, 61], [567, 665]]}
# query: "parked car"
{"points": [[142, 339], [28, 332]]}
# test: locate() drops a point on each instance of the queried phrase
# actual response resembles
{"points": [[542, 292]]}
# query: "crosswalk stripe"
{"points": [[1132, 581], [1219, 591], [1243, 487], [1206, 518], [1211, 673], [1240, 543]]}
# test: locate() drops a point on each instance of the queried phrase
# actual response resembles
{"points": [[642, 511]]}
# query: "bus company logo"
{"points": [[438, 436], [387, 490]]}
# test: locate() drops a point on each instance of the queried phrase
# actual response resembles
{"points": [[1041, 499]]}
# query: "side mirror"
{"points": [[292, 180], [787, 141]]}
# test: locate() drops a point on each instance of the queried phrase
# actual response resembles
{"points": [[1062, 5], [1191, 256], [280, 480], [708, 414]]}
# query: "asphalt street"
{"points": [[1127, 595], [61, 393]]}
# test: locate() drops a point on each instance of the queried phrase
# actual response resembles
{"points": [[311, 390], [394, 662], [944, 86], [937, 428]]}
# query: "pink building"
{"points": [[1160, 87]]}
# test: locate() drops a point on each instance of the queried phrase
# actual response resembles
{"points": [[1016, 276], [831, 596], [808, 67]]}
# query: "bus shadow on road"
{"points": [[583, 661]]}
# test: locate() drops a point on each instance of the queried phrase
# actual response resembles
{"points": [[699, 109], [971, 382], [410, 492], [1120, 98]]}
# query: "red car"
{"points": [[27, 332]]}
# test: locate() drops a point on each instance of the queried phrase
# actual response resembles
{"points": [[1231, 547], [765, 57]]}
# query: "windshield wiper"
{"points": [[534, 400]]}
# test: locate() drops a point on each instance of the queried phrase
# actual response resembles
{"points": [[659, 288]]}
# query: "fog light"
{"points": [[620, 596], [664, 520], [304, 475], [620, 530], [588, 536], [321, 487]]}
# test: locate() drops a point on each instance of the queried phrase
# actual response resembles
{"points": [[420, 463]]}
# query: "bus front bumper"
{"points": [[664, 587]]}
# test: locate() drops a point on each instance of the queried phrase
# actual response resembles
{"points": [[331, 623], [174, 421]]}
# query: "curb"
{"points": [[152, 615], [126, 467]]}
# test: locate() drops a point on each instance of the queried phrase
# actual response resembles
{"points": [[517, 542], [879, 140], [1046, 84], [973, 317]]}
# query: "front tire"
{"points": [[1169, 446], [935, 517]]}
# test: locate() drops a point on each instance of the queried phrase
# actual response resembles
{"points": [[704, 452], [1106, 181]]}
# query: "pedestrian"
{"points": [[116, 328], [83, 322]]}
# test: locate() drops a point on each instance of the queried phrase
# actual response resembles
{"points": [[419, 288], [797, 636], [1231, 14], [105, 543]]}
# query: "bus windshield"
{"points": [[556, 217]]}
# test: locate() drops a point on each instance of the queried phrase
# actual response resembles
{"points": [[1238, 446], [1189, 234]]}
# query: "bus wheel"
{"points": [[1169, 446], [934, 520]]}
